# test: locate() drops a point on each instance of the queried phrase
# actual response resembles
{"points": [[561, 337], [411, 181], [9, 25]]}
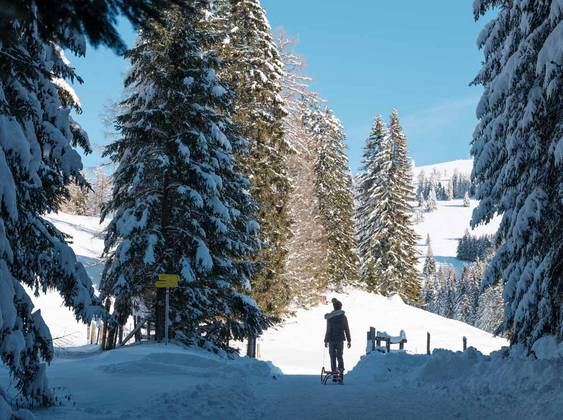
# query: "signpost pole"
{"points": [[166, 281], [166, 309]]}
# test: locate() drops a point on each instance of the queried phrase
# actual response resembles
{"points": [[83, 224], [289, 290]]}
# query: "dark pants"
{"points": [[335, 349]]}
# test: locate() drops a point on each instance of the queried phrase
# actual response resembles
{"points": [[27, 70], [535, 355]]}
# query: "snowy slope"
{"points": [[446, 226], [463, 166], [297, 345]]}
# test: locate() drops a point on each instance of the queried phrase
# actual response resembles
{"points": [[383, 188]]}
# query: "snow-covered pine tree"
{"points": [[333, 188], [409, 283], [306, 267], [366, 219], [518, 153], [467, 293], [38, 160], [253, 69], [446, 294], [391, 258], [180, 203], [466, 201], [490, 310], [431, 203], [429, 268]]}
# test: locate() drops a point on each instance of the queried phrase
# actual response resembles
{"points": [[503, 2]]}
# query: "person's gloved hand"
{"points": [[349, 344], [326, 343]]}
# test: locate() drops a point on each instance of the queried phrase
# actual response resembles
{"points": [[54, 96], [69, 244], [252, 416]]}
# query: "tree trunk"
{"points": [[160, 315]]}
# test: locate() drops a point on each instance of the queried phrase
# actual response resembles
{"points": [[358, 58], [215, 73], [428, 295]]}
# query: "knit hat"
{"points": [[336, 304]]}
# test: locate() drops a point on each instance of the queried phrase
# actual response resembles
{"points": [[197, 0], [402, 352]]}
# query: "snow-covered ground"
{"points": [[297, 345], [446, 226], [154, 381]]}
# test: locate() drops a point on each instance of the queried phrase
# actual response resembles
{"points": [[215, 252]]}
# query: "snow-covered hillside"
{"points": [[463, 166], [446, 226], [297, 345]]}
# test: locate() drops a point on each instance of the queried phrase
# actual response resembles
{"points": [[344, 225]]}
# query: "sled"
{"points": [[327, 376]]}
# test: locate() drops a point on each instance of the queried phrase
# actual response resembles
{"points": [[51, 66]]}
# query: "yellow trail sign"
{"points": [[167, 280]]}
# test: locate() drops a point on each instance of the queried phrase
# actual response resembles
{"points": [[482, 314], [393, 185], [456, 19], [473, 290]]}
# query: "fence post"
{"points": [[464, 343], [251, 347], [428, 343], [372, 333]]}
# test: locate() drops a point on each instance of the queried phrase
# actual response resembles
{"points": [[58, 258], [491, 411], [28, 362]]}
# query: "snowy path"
{"points": [[302, 397], [158, 382]]}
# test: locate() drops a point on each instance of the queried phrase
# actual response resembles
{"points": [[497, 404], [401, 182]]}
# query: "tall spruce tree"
{"points": [[252, 67], [366, 218], [518, 152], [180, 203], [409, 282], [38, 161], [333, 187], [392, 254]]}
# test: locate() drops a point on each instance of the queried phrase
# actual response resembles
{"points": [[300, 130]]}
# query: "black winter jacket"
{"points": [[337, 327]]}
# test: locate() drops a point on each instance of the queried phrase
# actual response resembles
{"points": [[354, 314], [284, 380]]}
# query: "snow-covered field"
{"points": [[446, 226]]}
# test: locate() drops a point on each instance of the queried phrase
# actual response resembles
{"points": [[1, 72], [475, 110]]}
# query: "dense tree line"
{"points": [[472, 248], [461, 296], [253, 89], [443, 186]]}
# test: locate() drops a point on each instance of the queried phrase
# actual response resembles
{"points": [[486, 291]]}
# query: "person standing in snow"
{"points": [[336, 332]]}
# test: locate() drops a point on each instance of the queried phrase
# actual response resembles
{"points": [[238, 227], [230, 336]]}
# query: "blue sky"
{"points": [[366, 57]]}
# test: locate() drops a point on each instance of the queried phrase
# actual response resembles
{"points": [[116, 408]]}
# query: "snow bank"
{"points": [[152, 381], [534, 385]]}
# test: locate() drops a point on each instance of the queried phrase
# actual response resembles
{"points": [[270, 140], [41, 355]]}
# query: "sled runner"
{"points": [[328, 376]]}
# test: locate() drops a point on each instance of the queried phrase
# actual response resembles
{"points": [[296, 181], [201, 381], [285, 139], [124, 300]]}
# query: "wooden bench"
{"points": [[375, 338]]}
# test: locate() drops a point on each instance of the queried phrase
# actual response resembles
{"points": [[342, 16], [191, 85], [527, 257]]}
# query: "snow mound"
{"points": [[532, 384], [154, 381], [548, 348]]}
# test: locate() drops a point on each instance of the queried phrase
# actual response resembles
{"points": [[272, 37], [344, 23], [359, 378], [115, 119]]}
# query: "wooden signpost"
{"points": [[167, 281]]}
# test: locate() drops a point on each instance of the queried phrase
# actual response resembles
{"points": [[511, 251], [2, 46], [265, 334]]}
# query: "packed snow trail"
{"points": [[154, 381]]}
